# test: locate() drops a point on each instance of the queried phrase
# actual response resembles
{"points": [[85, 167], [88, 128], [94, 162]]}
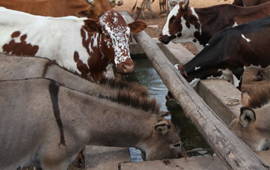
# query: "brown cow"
{"points": [[59, 8], [253, 126], [248, 2]]}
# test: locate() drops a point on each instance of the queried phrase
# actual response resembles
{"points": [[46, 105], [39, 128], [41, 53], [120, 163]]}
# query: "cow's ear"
{"points": [[245, 99], [137, 26], [92, 26], [247, 117], [162, 127]]}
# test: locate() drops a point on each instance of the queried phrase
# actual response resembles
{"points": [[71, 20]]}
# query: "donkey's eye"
{"points": [[177, 145]]}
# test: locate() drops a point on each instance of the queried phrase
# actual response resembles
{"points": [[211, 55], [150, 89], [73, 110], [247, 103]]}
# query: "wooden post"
{"points": [[234, 154]]}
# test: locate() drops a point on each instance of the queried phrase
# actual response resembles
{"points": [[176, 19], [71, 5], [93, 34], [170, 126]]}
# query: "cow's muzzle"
{"points": [[165, 39], [126, 67]]}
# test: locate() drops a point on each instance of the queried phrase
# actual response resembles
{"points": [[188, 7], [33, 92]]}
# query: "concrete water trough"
{"points": [[211, 106]]}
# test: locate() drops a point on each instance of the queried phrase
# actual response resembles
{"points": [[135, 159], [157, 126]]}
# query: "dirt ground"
{"points": [[249, 84]]}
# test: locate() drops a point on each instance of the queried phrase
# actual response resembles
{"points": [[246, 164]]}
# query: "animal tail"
{"points": [[133, 8]]}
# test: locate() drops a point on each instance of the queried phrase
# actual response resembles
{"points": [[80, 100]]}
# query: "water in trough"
{"points": [[146, 75]]}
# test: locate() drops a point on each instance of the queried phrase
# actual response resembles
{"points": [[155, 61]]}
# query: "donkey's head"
{"points": [[252, 125], [163, 144]]}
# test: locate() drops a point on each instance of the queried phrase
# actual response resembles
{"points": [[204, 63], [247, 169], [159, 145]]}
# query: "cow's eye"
{"points": [[107, 38]]}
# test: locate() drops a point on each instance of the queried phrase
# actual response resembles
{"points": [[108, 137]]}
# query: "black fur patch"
{"points": [[54, 90]]}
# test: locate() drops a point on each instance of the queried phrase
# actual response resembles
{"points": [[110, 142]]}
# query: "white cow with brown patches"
{"points": [[84, 46]]}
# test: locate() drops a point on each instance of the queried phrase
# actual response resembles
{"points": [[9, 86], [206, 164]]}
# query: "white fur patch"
{"points": [[197, 68], [120, 37], [194, 82], [248, 40]]}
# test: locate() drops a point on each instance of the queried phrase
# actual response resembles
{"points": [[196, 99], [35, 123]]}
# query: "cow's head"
{"points": [[97, 8], [114, 38], [182, 25], [193, 73], [252, 126]]}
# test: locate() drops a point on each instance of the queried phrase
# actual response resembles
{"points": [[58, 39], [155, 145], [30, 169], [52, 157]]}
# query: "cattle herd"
{"points": [[55, 95]]}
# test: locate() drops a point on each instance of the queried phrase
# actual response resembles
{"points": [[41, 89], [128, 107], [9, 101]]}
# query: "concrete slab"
{"points": [[193, 163], [105, 158], [223, 98]]}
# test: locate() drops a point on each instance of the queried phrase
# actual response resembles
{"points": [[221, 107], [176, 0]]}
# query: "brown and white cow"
{"points": [[98, 8], [253, 126], [45, 124], [81, 45], [59, 8], [248, 2], [230, 52], [197, 25]]}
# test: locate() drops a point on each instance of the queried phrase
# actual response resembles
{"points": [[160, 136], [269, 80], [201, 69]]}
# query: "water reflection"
{"points": [[147, 76]]}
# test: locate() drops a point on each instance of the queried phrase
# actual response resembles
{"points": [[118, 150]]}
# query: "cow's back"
{"points": [[54, 8], [48, 37]]}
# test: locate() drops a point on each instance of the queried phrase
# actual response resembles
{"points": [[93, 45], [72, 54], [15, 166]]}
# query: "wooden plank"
{"points": [[232, 152]]}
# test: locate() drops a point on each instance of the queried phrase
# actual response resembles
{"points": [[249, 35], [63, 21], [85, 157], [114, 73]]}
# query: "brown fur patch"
{"points": [[21, 48], [127, 98], [80, 65], [133, 87], [260, 99]]}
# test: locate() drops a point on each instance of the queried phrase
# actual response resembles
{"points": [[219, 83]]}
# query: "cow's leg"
{"points": [[142, 7], [160, 6], [148, 5], [164, 6], [169, 6]]}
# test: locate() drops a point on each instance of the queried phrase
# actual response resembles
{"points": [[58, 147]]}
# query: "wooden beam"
{"points": [[233, 153]]}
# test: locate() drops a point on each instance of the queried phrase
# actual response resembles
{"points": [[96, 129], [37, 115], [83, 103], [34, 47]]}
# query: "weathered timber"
{"points": [[233, 153]]}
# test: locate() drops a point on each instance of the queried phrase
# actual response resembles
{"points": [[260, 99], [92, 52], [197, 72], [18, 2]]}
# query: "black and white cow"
{"points": [[197, 25], [230, 51]]}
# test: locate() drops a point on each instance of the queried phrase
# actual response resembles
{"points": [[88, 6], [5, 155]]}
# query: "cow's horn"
{"points": [[185, 6]]}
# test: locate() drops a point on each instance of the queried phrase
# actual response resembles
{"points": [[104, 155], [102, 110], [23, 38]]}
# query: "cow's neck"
{"points": [[209, 17]]}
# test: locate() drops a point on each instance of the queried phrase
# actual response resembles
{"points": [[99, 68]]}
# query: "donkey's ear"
{"points": [[245, 99], [162, 127], [247, 117], [137, 26], [92, 26]]}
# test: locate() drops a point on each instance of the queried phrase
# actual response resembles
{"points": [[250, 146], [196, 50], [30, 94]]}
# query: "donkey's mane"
{"points": [[260, 99], [127, 98], [132, 87], [131, 94], [124, 97]]}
